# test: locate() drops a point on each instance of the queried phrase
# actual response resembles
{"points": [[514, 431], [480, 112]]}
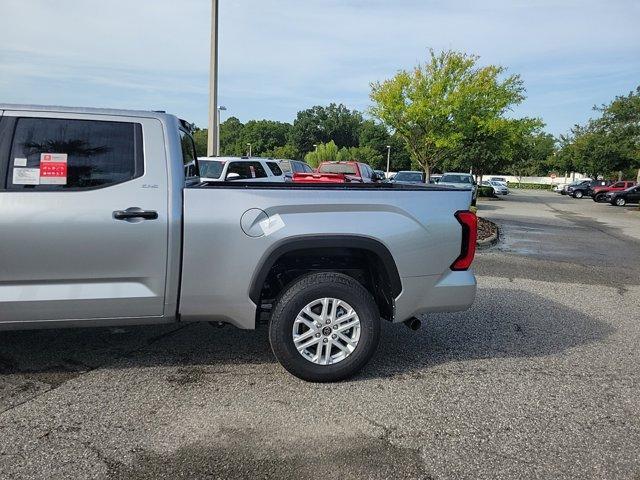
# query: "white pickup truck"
{"points": [[99, 227]]}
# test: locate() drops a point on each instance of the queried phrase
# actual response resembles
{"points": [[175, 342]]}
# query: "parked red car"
{"points": [[339, 172], [600, 193]]}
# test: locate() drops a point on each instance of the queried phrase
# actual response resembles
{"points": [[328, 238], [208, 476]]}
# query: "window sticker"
{"points": [[26, 176], [19, 162], [53, 169]]}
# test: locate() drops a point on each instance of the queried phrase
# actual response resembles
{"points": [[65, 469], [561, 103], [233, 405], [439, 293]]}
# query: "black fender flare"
{"points": [[325, 241]]}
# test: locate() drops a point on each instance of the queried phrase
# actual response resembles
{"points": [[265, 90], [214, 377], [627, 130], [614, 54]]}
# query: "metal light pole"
{"points": [[249, 145], [388, 158], [212, 133], [221, 108]]}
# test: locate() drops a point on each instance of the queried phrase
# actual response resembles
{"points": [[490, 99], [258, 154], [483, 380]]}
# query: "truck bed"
{"points": [[231, 229]]}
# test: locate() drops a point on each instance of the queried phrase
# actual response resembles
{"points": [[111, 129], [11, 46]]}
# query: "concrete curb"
{"points": [[489, 241]]}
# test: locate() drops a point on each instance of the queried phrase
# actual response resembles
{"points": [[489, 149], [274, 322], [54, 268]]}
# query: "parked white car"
{"points": [[224, 169], [560, 187], [460, 180], [499, 188]]}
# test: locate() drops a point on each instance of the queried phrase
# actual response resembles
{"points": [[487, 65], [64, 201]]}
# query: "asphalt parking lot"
{"points": [[539, 379]]}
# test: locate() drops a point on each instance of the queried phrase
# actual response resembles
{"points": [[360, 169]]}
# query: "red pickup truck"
{"points": [[339, 172], [600, 193]]}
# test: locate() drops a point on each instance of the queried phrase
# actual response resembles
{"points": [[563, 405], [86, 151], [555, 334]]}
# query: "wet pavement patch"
{"points": [[245, 457]]}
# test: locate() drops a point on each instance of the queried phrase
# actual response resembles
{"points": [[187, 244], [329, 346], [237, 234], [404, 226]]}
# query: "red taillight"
{"points": [[469, 223]]}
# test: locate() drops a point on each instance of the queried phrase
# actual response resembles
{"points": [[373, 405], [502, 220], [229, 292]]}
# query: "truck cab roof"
{"points": [[89, 110]]}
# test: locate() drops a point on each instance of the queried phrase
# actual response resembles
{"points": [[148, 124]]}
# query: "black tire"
{"points": [[620, 201], [599, 198], [578, 194], [303, 291]]}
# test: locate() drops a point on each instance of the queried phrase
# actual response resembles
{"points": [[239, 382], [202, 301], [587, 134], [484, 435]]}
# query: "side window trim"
{"points": [[194, 151], [7, 130]]}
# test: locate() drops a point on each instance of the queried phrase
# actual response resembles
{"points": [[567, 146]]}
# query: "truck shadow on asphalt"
{"points": [[501, 323]]}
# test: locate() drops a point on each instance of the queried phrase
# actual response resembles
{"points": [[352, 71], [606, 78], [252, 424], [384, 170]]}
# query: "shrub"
{"points": [[530, 186], [485, 192]]}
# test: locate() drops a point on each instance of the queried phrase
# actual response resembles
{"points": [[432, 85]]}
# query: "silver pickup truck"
{"points": [[100, 227]]}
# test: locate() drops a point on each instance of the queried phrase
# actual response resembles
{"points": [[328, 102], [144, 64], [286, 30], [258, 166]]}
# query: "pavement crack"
{"points": [[157, 338]]}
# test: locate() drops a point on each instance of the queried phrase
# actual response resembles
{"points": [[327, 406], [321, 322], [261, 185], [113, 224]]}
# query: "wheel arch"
{"points": [[324, 242]]}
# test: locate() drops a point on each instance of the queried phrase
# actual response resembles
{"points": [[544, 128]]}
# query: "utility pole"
{"points": [[212, 133], [388, 159], [221, 108], [249, 145]]}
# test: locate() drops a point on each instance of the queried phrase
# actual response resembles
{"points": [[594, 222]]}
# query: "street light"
{"points": [[249, 145], [213, 83], [221, 108], [388, 158], [315, 147]]}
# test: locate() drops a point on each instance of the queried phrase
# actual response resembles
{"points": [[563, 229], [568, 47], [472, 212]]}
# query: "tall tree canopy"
{"points": [[608, 145], [445, 106], [322, 124]]}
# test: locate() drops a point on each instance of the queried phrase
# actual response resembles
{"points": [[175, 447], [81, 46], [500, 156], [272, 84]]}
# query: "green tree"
{"points": [[231, 137], [264, 136], [365, 154], [325, 152], [449, 100], [598, 152], [607, 145], [319, 124], [200, 139], [287, 151], [534, 154], [621, 122]]}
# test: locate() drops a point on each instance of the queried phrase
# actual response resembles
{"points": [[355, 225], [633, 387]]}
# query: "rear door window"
{"points": [[188, 148], [62, 154], [247, 170], [346, 168], [275, 169]]}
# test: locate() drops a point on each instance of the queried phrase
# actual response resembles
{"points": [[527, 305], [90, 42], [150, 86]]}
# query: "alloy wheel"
{"points": [[326, 331]]}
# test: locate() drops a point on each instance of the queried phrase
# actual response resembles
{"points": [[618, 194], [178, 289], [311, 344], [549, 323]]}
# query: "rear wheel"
{"points": [[621, 202], [600, 197], [324, 327]]}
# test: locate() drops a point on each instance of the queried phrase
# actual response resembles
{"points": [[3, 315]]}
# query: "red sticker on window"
{"points": [[53, 169]]}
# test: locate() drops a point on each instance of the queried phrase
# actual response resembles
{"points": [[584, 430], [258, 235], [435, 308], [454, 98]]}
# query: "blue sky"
{"points": [[278, 57]]}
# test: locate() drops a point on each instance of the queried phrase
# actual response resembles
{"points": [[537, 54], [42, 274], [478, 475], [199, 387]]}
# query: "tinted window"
{"points": [[188, 148], [275, 169], [306, 168], [57, 154], [210, 168], [345, 168], [455, 179], [408, 177], [246, 170]]}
